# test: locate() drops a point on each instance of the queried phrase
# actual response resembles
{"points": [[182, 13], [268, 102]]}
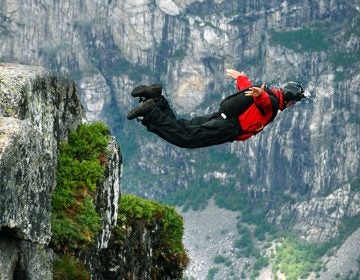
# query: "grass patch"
{"points": [[296, 259]]}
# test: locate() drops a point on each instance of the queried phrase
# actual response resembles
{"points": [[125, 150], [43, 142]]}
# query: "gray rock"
{"points": [[37, 111]]}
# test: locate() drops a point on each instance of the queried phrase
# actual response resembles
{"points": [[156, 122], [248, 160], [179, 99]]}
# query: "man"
{"points": [[240, 116]]}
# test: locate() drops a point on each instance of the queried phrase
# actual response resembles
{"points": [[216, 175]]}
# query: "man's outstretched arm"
{"points": [[242, 81]]}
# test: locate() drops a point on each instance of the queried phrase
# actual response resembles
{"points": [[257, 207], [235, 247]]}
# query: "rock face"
{"points": [[317, 219], [108, 194], [37, 111], [130, 255]]}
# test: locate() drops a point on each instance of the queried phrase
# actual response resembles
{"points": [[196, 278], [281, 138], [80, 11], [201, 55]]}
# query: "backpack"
{"points": [[236, 104]]}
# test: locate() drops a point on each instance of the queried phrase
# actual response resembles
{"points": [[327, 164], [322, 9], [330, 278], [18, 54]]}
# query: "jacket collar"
{"points": [[280, 96]]}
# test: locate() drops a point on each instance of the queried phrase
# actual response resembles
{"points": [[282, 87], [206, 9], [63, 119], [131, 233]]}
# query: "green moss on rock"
{"points": [[134, 209], [75, 221]]}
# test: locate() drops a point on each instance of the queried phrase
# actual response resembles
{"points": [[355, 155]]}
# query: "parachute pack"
{"points": [[236, 104]]}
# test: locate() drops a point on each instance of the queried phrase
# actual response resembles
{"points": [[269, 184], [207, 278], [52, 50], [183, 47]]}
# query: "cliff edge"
{"points": [[44, 135]]}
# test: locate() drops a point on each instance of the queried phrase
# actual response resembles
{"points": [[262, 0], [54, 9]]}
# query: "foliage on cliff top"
{"points": [[74, 219], [133, 208]]}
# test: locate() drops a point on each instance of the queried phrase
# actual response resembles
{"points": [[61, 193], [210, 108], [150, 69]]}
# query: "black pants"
{"points": [[198, 132]]}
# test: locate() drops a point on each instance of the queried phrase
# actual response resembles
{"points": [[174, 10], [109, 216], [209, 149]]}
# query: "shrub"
{"points": [[211, 273], [295, 259], [74, 220], [245, 244], [221, 259], [69, 268], [260, 263]]}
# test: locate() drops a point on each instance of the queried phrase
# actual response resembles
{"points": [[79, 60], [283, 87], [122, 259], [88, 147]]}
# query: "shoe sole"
{"points": [[153, 91], [141, 110]]}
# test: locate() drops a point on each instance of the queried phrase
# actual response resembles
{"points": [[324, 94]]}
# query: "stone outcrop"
{"points": [[37, 112], [320, 218], [130, 254]]}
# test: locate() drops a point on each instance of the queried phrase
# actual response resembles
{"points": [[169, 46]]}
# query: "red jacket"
{"points": [[259, 114]]}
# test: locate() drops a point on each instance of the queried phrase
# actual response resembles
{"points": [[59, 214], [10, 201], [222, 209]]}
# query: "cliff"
{"points": [[146, 243], [37, 112], [60, 185]]}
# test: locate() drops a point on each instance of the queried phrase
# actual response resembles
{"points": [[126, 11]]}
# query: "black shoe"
{"points": [[142, 110], [147, 92]]}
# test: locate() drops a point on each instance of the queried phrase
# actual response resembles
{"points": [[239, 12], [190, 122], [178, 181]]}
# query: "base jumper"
{"points": [[240, 115]]}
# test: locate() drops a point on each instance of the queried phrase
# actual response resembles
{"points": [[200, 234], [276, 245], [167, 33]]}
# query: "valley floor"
{"points": [[210, 234]]}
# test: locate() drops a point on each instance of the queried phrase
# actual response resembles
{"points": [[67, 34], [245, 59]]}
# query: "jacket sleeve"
{"points": [[263, 102], [243, 82]]}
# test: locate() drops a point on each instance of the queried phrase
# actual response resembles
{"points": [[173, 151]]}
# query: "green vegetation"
{"points": [[345, 59], [302, 40], [343, 62], [295, 259], [68, 267], [133, 208], [75, 222], [179, 54], [239, 21], [355, 185], [227, 196], [211, 273], [349, 225], [245, 244], [220, 259], [260, 263]]}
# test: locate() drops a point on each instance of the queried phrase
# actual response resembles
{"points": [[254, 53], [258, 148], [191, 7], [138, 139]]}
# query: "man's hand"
{"points": [[234, 73], [255, 91]]}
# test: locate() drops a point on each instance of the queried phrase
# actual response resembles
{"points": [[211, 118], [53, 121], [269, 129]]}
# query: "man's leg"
{"points": [[201, 131], [195, 133]]}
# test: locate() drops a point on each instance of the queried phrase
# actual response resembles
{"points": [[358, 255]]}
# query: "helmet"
{"points": [[293, 92]]}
